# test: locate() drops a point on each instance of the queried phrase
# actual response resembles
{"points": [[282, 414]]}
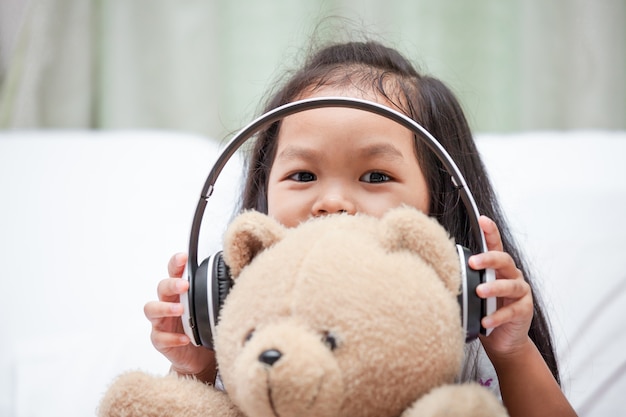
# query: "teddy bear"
{"points": [[341, 316]]}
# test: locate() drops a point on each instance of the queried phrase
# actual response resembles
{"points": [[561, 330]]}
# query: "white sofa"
{"points": [[88, 221]]}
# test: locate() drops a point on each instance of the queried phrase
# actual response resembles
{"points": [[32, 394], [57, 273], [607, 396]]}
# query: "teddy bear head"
{"points": [[340, 316]]}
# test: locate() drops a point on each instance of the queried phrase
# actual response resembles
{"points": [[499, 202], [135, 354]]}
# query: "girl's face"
{"points": [[334, 160]]}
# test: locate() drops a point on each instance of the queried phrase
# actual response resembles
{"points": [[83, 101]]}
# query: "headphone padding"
{"points": [[224, 282]]}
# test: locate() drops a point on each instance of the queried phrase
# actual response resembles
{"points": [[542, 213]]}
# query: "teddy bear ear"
{"points": [[406, 228], [249, 234]]}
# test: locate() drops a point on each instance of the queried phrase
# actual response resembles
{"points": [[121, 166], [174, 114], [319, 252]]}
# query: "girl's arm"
{"points": [[527, 385]]}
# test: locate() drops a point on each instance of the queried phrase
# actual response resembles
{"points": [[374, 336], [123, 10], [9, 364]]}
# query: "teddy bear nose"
{"points": [[270, 356]]}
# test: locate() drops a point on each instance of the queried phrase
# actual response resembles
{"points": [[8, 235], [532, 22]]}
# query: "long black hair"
{"points": [[374, 67]]}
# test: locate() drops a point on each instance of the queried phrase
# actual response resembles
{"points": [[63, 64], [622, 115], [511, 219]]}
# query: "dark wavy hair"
{"points": [[373, 67]]}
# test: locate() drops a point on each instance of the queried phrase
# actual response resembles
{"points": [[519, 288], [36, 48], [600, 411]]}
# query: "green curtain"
{"points": [[204, 65]]}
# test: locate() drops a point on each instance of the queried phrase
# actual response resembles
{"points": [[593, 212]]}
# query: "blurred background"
{"points": [[203, 65], [112, 112]]}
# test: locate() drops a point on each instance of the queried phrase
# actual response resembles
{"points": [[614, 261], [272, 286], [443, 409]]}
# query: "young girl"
{"points": [[331, 160]]}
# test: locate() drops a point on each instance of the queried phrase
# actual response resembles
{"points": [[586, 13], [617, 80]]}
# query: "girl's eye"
{"points": [[374, 177], [303, 176]]}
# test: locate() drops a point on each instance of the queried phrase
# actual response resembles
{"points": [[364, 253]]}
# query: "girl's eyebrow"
{"points": [[383, 150], [297, 152]]}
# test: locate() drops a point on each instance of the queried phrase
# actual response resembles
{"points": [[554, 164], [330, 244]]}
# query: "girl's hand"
{"points": [[511, 321], [167, 335]]}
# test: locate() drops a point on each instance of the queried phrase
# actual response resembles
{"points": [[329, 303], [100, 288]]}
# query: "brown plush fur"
{"points": [[363, 312], [136, 394]]}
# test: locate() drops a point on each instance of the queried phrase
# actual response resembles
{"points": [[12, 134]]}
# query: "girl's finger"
{"points": [[170, 289], [501, 262], [518, 311], [176, 265], [166, 340], [491, 232], [156, 310], [504, 289]]}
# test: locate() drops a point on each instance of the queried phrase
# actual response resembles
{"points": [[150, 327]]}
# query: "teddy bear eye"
{"points": [[248, 336], [329, 340]]}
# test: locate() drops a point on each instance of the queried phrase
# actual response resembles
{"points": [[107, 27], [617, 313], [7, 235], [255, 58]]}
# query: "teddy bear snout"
{"points": [[270, 356]]}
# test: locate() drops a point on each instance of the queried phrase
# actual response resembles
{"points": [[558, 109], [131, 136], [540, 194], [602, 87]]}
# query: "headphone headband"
{"points": [[211, 285], [321, 102]]}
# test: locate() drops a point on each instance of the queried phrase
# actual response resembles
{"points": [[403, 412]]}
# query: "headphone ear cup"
{"points": [[471, 304], [201, 303], [211, 286]]}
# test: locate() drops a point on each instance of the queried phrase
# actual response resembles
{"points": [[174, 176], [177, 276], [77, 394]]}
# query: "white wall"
{"points": [[88, 221]]}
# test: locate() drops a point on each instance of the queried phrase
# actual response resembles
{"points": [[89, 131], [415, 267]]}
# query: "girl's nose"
{"points": [[331, 203]]}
